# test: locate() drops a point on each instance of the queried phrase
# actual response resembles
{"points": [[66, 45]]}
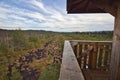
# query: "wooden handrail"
{"points": [[92, 54], [70, 69]]}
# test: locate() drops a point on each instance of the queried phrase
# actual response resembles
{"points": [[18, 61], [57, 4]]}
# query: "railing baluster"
{"points": [[93, 54], [100, 56], [94, 57], [106, 55], [75, 50], [90, 58], [85, 55], [109, 56], [80, 52]]}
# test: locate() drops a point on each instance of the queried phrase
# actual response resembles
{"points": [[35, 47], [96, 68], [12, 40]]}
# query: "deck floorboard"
{"points": [[95, 74]]}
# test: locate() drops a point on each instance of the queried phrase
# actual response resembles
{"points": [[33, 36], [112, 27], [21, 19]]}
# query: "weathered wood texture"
{"points": [[70, 69], [92, 6], [93, 54], [96, 74], [115, 56], [93, 58], [109, 6], [82, 6]]}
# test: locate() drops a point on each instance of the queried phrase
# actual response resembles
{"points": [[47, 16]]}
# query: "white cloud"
{"points": [[53, 18], [38, 4], [19, 14]]}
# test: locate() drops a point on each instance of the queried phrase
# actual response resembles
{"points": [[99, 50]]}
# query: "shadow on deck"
{"points": [[86, 60]]}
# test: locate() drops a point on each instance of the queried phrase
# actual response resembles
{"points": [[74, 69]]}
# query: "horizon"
{"points": [[58, 31], [50, 16]]}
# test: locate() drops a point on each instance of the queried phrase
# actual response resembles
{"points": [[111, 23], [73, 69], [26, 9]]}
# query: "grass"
{"points": [[50, 72], [11, 49]]}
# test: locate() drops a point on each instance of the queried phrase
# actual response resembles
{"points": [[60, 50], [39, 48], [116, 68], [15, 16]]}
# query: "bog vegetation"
{"points": [[36, 55]]}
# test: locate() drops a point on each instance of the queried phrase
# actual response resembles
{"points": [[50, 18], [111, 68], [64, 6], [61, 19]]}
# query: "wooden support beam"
{"points": [[115, 56]]}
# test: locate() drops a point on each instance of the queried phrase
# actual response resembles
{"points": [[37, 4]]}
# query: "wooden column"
{"points": [[115, 56]]}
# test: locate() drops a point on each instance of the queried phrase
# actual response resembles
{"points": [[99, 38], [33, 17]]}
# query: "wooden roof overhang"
{"points": [[92, 6]]}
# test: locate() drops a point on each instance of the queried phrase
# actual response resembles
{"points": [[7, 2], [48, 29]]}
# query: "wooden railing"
{"points": [[92, 54], [79, 56], [70, 69]]}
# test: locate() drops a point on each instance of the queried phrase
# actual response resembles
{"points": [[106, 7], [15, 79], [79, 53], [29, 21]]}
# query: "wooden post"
{"points": [[115, 56]]}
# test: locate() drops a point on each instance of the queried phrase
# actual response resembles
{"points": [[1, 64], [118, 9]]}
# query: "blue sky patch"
{"points": [[49, 15]]}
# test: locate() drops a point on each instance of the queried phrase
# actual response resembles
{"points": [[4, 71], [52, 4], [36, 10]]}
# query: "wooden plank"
{"points": [[82, 6], [80, 49], [75, 50], [85, 56], [107, 53], [92, 6], [90, 59], [95, 74], [94, 56], [109, 56], [80, 54], [70, 69], [85, 61], [100, 57], [88, 41]]}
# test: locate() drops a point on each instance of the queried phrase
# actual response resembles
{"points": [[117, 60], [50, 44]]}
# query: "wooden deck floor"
{"points": [[95, 74]]}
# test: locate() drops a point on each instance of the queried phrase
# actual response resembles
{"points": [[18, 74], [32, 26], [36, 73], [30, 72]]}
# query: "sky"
{"points": [[50, 15]]}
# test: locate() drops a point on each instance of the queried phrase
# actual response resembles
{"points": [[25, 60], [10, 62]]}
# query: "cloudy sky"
{"points": [[49, 15]]}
